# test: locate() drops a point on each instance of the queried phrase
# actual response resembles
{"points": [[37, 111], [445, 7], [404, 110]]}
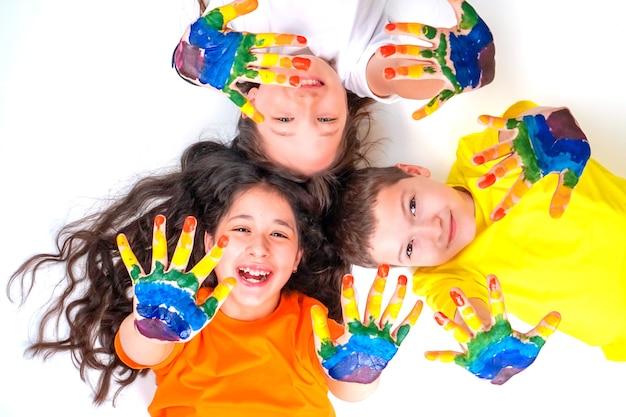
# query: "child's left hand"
{"points": [[549, 142], [463, 57], [495, 352], [367, 346]]}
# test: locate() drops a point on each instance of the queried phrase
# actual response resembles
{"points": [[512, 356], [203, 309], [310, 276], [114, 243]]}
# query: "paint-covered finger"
{"points": [[467, 311], [348, 300], [414, 52], [424, 71], [494, 122], [324, 346], [441, 355], [184, 245], [496, 298], [400, 333], [221, 16], [159, 242], [560, 198], [432, 106], [512, 197], [128, 257], [203, 268], [273, 76], [247, 109], [266, 40], [275, 61], [492, 153], [395, 303], [499, 171], [459, 333], [374, 303], [416, 30], [212, 300], [546, 328]]}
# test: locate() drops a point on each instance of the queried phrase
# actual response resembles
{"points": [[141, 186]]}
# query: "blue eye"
{"points": [[326, 119]]}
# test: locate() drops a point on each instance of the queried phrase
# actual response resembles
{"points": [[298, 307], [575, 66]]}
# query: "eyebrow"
{"points": [[280, 222]]}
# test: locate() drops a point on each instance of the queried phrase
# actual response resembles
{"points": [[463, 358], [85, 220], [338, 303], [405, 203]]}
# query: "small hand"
{"points": [[495, 352], [541, 146], [169, 303], [461, 57], [366, 347], [214, 56]]}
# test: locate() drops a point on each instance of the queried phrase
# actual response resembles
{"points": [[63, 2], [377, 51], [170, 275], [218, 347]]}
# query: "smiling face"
{"points": [[303, 126], [421, 222], [262, 252]]}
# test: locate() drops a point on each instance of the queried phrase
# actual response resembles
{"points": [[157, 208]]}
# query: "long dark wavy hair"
{"points": [[96, 289]]}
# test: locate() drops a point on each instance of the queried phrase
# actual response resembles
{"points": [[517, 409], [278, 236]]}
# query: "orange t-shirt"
{"points": [[266, 367]]}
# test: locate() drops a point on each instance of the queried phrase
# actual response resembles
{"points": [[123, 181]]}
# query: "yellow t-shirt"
{"points": [[575, 265], [265, 367]]}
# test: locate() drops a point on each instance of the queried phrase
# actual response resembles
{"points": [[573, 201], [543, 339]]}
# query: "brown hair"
{"points": [[353, 221]]}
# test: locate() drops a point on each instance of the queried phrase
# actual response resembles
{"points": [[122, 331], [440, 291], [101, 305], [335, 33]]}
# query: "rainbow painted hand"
{"points": [[495, 352], [170, 306], [543, 145], [463, 57], [211, 55], [366, 347]]}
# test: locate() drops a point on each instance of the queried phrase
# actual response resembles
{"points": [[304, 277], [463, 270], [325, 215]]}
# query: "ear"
{"points": [[297, 260], [208, 242], [414, 170]]}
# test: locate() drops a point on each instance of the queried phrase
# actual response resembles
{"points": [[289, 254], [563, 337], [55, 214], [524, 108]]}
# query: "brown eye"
{"points": [[409, 249], [412, 206]]}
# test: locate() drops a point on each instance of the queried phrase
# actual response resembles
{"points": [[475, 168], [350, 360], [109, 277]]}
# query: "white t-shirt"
{"points": [[344, 32]]}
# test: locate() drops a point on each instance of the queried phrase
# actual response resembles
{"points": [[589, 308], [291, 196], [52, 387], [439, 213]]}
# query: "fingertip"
{"points": [[383, 270], [223, 241], [402, 280]]}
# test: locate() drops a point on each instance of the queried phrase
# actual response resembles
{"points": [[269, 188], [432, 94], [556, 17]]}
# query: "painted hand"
{"points": [[170, 306], [367, 346], [211, 55], [542, 145], [461, 57], [495, 352]]}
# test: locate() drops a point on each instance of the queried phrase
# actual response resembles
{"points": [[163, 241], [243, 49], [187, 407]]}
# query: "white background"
{"points": [[89, 102]]}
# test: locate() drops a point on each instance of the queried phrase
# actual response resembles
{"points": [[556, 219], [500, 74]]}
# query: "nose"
{"points": [[430, 229], [258, 246]]}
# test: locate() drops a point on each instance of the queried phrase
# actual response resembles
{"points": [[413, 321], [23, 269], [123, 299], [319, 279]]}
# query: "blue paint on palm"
{"points": [[362, 359], [465, 53], [509, 352], [219, 52], [180, 314], [556, 154]]}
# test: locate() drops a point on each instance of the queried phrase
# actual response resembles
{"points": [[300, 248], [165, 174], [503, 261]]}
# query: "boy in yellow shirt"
{"points": [[565, 253]]}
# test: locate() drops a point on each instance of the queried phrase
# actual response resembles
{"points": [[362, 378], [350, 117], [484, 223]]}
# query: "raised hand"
{"points": [[495, 352], [367, 346], [541, 144], [169, 304], [211, 55], [462, 57]]}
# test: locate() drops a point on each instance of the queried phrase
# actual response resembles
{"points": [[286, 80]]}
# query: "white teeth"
{"points": [[254, 273], [309, 82]]}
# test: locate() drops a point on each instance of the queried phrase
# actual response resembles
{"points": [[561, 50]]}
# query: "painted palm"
{"points": [[169, 304], [211, 55], [367, 346], [542, 145], [463, 57], [495, 352]]}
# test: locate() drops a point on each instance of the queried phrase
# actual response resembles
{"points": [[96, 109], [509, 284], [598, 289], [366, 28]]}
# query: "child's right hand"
{"points": [[495, 352], [214, 56], [366, 347], [169, 304]]}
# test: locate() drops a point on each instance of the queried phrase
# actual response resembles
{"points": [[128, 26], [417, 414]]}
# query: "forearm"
{"points": [[351, 391], [139, 348]]}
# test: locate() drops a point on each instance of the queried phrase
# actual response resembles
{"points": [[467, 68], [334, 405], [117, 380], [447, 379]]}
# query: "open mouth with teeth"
{"points": [[309, 82], [254, 276]]}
